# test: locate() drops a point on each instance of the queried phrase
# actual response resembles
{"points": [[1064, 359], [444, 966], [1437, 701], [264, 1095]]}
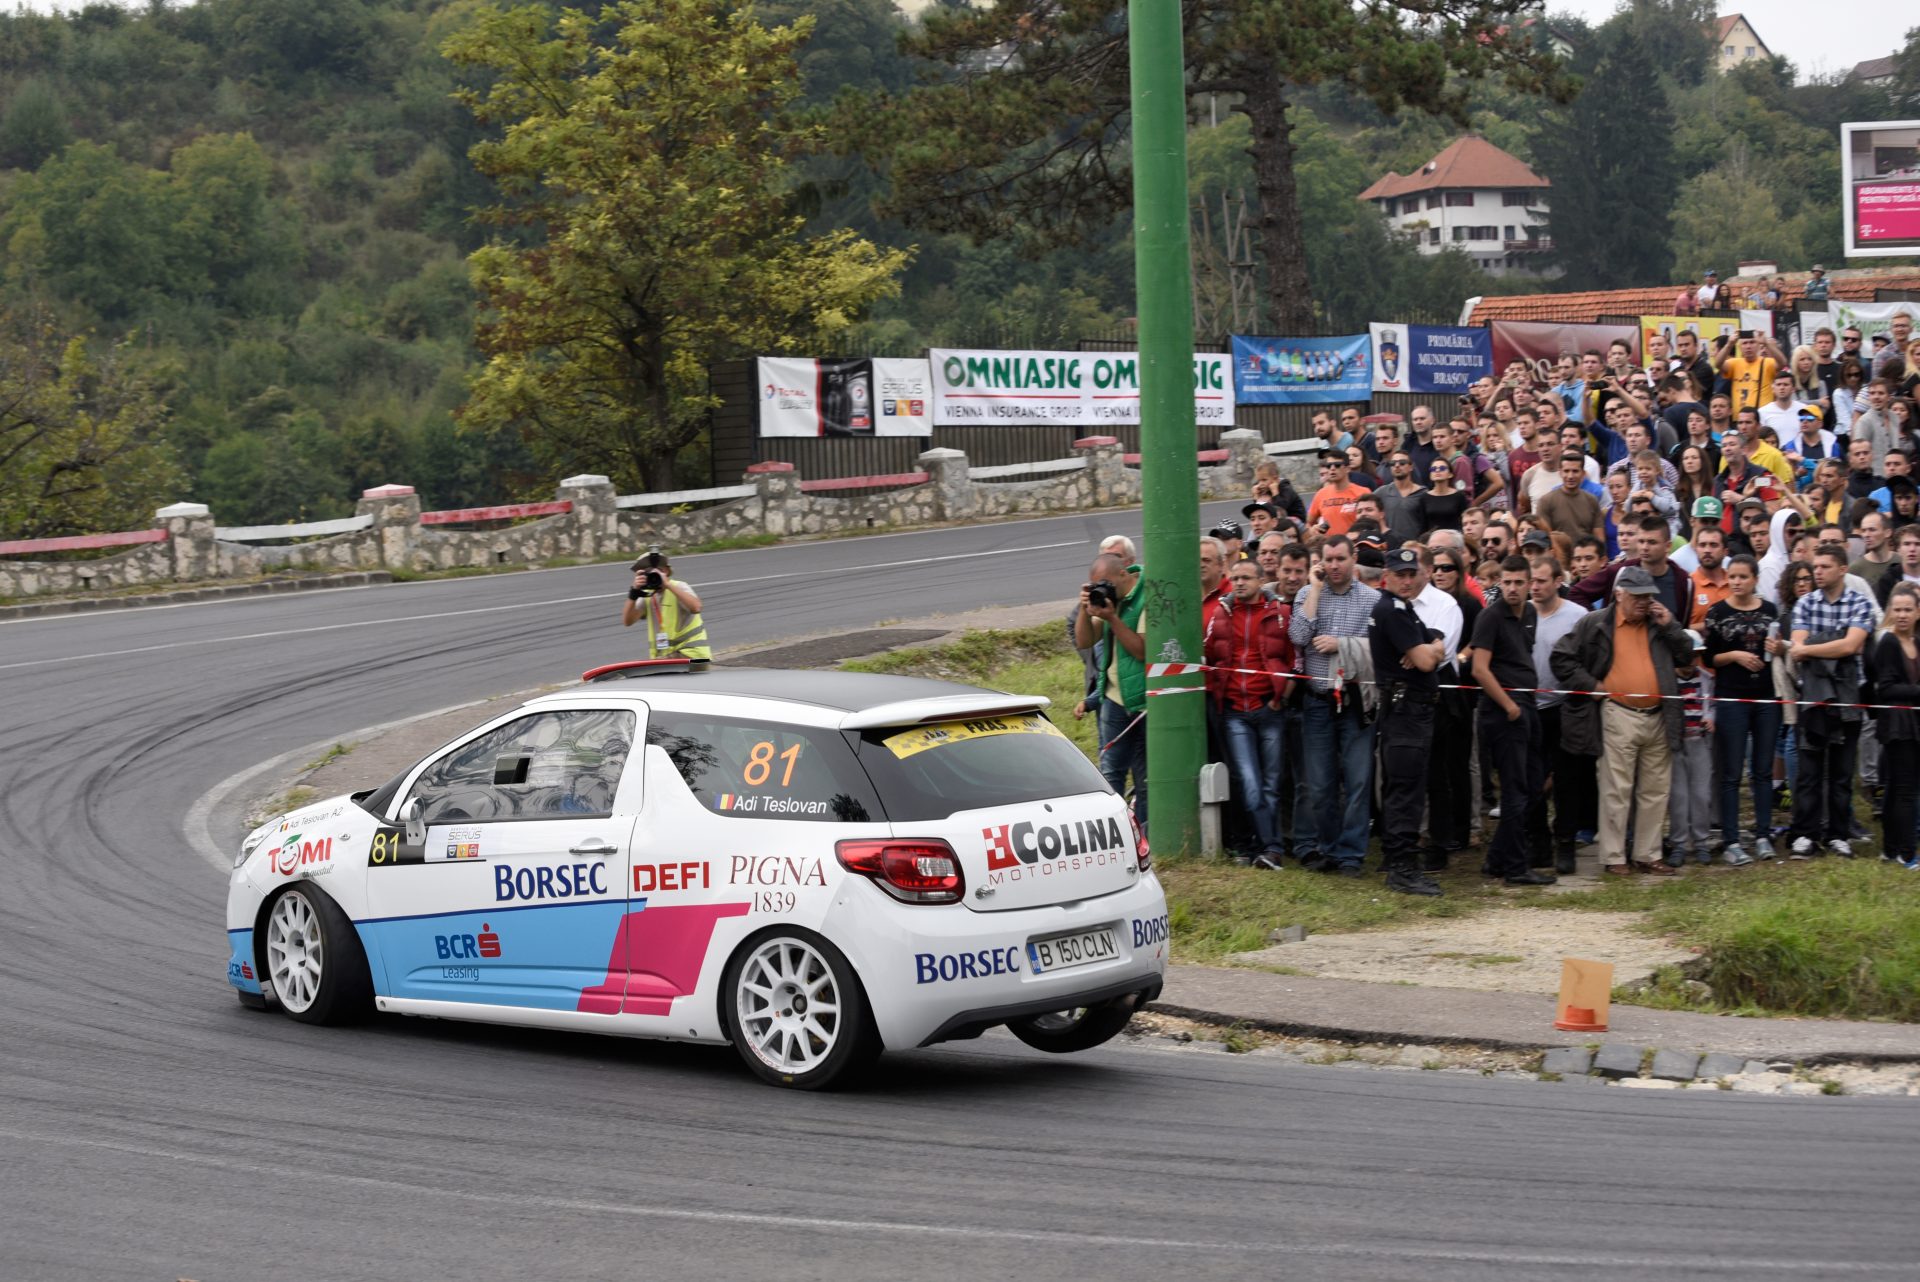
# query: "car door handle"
{"points": [[594, 846]]}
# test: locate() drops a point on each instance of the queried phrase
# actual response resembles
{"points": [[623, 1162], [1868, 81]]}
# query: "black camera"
{"points": [[1102, 596], [654, 580]]}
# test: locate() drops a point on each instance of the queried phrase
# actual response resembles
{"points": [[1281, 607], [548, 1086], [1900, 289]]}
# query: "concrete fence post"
{"points": [[781, 503], [190, 540], [395, 510], [949, 474], [1246, 450], [1107, 470], [596, 525]]}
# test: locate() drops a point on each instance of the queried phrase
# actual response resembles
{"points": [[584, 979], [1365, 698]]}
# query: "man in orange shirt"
{"points": [[1631, 651], [1332, 510]]}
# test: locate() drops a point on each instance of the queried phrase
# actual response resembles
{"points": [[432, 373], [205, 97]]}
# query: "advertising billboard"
{"points": [[1880, 187], [1301, 371], [800, 396], [1075, 389], [1429, 358]]}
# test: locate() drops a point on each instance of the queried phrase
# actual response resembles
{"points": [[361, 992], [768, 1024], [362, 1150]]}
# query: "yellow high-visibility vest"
{"points": [[669, 636]]}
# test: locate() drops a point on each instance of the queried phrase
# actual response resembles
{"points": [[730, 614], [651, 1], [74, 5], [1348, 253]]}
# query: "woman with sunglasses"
{"points": [[1443, 503], [1848, 400]]}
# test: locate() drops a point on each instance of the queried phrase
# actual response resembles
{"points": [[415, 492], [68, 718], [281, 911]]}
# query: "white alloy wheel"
{"points": [[296, 953], [788, 1004]]}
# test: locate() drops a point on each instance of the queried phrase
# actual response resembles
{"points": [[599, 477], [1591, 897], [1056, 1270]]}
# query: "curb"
{"points": [[267, 587], [1332, 1032]]}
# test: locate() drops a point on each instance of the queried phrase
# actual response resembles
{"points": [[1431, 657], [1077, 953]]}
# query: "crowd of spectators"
{"points": [[1650, 592]]}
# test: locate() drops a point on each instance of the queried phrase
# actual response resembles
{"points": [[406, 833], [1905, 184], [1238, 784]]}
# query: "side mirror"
{"points": [[415, 826]]}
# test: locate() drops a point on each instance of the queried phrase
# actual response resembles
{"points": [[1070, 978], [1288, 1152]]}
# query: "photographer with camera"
{"points": [[1112, 605], [670, 608]]}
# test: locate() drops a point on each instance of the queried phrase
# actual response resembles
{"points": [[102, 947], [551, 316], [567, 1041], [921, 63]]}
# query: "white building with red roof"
{"points": [[1475, 198]]}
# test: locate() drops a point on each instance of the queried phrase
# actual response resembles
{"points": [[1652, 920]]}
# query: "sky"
{"points": [[1802, 31]]}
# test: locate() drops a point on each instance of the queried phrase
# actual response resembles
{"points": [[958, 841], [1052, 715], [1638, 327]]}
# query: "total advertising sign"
{"points": [[800, 396], [1301, 371], [1880, 187], [1429, 358], [1072, 389]]}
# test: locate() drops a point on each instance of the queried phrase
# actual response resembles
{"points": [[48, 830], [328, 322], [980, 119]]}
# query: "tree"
{"points": [[1027, 131], [34, 127], [646, 152], [1610, 158], [80, 435]]}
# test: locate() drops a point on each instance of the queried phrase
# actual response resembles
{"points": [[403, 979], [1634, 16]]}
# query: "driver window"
{"points": [[550, 765]]}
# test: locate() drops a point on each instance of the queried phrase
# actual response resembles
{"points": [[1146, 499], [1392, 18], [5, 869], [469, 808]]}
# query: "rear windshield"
{"points": [[929, 772]]}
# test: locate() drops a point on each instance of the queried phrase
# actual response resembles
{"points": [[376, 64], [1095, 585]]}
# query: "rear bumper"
{"points": [[972, 1023]]}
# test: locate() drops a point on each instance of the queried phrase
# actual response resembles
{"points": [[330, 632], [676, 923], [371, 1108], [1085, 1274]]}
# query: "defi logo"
{"points": [[1022, 843], [485, 944]]}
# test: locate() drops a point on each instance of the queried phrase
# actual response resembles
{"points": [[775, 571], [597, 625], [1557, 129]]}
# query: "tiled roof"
{"points": [[1873, 68], [1657, 300], [1723, 24], [1467, 161]]}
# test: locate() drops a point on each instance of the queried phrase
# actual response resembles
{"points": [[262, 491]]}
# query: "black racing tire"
{"points": [[796, 1012], [1063, 1032], [312, 958]]}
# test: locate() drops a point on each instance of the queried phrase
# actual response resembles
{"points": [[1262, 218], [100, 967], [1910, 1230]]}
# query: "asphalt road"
{"points": [[151, 1128]]}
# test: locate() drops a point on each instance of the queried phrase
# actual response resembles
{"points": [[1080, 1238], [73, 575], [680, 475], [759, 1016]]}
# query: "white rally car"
{"points": [[812, 866]]}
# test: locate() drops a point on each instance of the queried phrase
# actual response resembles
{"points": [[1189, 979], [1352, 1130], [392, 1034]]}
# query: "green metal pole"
{"points": [[1169, 477]]}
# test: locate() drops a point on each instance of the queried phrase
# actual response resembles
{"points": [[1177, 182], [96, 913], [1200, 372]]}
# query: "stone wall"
{"points": [[596, 526]]}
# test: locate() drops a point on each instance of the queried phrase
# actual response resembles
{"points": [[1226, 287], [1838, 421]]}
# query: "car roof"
{"points": [[869, 698]]}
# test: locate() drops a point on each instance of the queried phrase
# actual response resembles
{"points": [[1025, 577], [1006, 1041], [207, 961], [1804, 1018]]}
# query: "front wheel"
{"points": [[1062, 1032], [314, 960], [796, 1011]]}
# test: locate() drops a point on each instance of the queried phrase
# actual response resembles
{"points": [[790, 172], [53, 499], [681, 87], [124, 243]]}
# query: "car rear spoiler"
{"points": [[958, 707]]}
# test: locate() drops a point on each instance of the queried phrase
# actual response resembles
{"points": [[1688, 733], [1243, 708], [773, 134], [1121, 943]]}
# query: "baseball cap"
{"points": [[1635, 581], [1536, 539], [1711, 271], [1817, 269], [1268, 508], [1227, 530], [1370, 556], [1708, 508], [1806, 414], [1402, 561], [1695, 641]]}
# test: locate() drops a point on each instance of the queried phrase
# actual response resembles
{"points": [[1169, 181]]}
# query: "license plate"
{"points": [[1064, 952]]}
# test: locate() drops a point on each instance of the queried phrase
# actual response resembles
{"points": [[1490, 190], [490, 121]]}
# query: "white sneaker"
{"points": [[1840, 848], [1494, 813], [1763, 849], [1735, 856], [1802, 848]]}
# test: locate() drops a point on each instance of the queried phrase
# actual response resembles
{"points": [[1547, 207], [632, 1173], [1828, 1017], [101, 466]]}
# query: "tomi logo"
{"points": [[297, 856], [1012, 844]]}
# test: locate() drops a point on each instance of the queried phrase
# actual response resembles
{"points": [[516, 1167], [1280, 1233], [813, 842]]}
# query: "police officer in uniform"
{"points": [[1406, 656]]}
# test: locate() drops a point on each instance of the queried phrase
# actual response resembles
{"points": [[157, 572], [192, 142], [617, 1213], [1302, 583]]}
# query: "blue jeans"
{"points": [[1255, 751], [1745, 735], [1126, 756], [1339, 752]]}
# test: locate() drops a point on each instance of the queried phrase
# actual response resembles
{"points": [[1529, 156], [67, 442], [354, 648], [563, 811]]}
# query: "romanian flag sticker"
{"points": [[728, 800]]}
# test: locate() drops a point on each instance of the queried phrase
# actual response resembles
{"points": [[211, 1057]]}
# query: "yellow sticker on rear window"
{"points": [[920, 738]]}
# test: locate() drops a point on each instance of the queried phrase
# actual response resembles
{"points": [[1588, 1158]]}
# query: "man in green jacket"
{"points": [[1112, 611]]}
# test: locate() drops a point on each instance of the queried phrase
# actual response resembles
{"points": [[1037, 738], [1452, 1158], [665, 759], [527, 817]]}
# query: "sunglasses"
{"points": [[1445, 567]]}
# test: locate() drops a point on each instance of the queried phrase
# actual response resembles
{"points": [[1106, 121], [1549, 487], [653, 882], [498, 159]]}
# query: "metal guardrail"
{"points": [[312, 529], [82, 542], [1025, 469], [670, 498]]}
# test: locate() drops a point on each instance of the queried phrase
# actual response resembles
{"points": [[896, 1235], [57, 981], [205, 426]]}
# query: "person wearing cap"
{"points": [[1706, 510], [1509, 726], [1332, 510], [1708, 296], [1815, 290], [1407, 653], [1233, 539], [1261, 519], [1629, 652], [1709, 575]]}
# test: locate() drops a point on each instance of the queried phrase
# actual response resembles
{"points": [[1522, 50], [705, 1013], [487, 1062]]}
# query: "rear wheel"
{"points": [[314, 960], [796, 1011], [1061, 1032]]}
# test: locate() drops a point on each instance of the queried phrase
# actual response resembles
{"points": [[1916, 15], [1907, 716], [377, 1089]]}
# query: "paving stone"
{"points": [[1648, 1084], [1762, 1084], [1717, 1065], [1755, 1067], [1583, 1079], [1568, 1061], [1616, 1059], [1287, 935], [1675, 1066]]}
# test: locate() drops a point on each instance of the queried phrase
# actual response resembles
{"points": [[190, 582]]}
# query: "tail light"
{"points": [[914, 870], [1140, 840]]}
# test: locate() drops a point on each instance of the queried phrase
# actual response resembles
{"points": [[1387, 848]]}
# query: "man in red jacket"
{"points": [[1248, 654]]}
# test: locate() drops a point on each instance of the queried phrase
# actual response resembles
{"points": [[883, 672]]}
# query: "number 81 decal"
{"points": [[389, 849]]}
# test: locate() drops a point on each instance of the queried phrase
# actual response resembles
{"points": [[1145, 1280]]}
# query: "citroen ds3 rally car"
{"points": [[811, 866]]}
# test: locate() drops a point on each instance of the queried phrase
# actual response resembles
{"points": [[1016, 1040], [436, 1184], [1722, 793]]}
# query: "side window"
{"points": [[550, 765], [760, 770]]}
